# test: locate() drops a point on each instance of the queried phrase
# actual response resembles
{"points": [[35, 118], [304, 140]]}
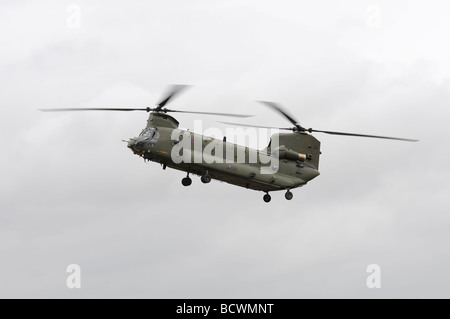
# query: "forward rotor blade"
{"points": [[95, 109], [174, 90], [140, 109], [279, 109], [259, 126], [362, 135], [207, 113]]}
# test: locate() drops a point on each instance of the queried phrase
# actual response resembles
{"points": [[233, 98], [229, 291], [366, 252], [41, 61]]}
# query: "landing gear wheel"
{"points": [[288, 195], [267, 198], [186, 181], [205, 178]]}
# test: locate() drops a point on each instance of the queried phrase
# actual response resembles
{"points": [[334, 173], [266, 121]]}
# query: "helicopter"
{"points": [[289, 161]]}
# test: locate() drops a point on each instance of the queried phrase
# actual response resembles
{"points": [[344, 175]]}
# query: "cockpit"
{"points": [[150, 132]]}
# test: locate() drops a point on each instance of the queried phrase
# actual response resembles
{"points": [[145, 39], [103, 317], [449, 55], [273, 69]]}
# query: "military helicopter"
{"points": [[290, 160]]}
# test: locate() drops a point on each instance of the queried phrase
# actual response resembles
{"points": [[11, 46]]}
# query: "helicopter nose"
{"points": [[131, 143]]}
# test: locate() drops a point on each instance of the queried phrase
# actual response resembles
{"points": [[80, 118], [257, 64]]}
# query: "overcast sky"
{"points": [[72, 193]]}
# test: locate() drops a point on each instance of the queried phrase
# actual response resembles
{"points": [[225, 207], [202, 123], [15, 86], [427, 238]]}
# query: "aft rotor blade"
{"points": [[95, 109], [174, 90], [258, 126], [207, 113], [279, 109], [362, 135]]}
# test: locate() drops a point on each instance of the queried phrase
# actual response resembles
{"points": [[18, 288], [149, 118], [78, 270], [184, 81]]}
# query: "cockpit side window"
{"points": [[148, 132]]}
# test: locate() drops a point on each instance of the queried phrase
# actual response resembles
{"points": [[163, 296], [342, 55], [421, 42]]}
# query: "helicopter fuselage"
{"points": [[163, 142]]}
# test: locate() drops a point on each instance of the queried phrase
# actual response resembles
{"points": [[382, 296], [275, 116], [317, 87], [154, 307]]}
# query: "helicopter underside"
{"points": [[246, 182]]}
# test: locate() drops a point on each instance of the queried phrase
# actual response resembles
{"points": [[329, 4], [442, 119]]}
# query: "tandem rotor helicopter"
{"points": [[297, 153]]}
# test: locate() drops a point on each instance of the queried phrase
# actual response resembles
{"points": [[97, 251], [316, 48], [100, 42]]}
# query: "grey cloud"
{"points": [[72, 192]]}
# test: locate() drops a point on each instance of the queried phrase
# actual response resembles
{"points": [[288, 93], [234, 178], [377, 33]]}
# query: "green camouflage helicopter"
{"points": [[289, 161]]}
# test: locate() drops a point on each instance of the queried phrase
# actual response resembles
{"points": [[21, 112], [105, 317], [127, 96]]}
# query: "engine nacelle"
{"points": [[284, 153]]}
